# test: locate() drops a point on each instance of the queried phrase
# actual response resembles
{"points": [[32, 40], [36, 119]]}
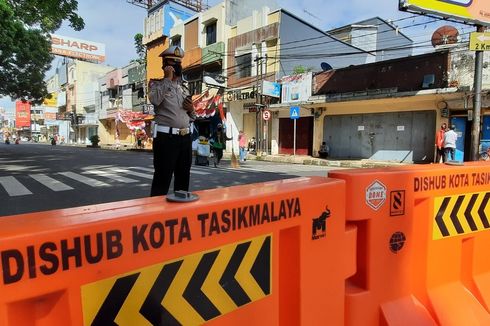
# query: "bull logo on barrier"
{"points": [[319, 225]]}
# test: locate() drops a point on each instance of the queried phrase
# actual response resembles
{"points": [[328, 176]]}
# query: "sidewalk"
{"points": [[298, 159], [309, 160]]}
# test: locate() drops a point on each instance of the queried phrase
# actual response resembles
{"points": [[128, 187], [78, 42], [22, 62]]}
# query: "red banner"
{"points": [[22, 114]]}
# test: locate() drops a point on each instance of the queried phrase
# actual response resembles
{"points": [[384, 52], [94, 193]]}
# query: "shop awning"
{"points": [[208, 103]]}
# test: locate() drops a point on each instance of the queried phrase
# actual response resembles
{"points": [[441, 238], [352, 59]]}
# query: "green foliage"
{"points": [[94, 140], [140, 48], [301, 70], [25, 43]]}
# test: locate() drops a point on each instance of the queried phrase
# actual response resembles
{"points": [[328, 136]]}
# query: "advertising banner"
{"points": [[470, 11], [271, 89], [75, 48], [296, 88], [22, 114], [52, 101]]}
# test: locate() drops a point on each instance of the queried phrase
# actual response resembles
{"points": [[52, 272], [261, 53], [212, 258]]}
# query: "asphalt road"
{"points": [[40, 177]]}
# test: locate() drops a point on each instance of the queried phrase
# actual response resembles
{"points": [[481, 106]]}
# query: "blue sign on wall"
{"points": [[294, 112], [173, 14]]}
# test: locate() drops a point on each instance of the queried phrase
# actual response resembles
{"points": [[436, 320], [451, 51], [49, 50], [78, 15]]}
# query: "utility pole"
{"points": [[258, 105], [475, 130]]}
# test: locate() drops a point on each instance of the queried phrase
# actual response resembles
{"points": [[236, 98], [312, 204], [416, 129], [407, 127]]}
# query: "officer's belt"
{"points": [[173, 131]]}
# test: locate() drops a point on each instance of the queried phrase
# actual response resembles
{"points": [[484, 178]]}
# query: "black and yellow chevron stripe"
{"points": [[187, 291], [460, 214]]}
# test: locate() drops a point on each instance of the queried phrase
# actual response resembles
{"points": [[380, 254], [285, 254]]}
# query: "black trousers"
{"points": [[172, 155], [440, 153]]}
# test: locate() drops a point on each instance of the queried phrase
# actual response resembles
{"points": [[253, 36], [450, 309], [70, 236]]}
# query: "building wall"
{"points": [[388, 37], [153, 61], [461, 73], [244, 43], [323, 48], [87, 75], [366, 106], [238, 10], [409, 73]]}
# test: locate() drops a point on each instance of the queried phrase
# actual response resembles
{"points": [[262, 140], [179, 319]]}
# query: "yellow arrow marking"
{"points": [[436, 232], [447, 217], [243, 276], [211, 287], [173, 300], [129, 314], [93, 296]]}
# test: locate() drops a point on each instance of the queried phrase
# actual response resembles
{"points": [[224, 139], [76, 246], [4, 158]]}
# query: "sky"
{"points": [[115, 22]]}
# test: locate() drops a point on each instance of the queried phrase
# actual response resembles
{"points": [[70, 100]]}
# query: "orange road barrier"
{"points": [[271, 253], [423, 237]]}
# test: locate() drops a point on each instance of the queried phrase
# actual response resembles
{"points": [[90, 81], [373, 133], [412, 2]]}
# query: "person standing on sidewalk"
{"points": [[242, 144], [172, 144], [450, 138], [440, 151], [218, 143]]}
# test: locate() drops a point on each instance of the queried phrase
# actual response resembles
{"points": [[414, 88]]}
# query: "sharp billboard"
{"points": [[470, 11], [75, 48]]}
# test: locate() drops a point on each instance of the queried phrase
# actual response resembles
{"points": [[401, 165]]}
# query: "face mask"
{"points": [[178, 69]]}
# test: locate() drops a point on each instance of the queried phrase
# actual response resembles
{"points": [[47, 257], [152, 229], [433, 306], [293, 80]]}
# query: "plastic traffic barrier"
{"points": [[275, 253], [422, 247]]}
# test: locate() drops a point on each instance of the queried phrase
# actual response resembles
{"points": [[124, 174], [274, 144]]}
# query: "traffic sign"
{"points": [[480, 41], [266, 115], [294, 112]]}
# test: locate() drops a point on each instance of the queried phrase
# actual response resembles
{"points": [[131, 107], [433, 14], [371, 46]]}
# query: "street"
{"points": [[39, 177]]}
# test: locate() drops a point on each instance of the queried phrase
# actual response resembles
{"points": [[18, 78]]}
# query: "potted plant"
{"points": [[94, 140]]}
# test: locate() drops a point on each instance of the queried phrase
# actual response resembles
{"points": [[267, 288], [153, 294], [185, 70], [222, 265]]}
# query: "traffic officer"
{"points": [[172, 144]]}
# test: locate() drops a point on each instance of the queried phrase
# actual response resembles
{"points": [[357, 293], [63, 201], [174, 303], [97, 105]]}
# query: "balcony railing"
{"points": [[213, 52]]}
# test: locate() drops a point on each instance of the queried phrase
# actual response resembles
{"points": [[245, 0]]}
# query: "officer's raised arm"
{"points": [[156, 91]]}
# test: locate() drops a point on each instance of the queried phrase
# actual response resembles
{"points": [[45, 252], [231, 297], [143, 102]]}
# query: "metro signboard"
{"points": [[480, 41], [475, 12], [75, 48]]}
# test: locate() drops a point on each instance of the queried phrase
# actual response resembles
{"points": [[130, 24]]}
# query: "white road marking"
{"points": [[111, 175], [83, 179], [49, 182], [14, 187]]}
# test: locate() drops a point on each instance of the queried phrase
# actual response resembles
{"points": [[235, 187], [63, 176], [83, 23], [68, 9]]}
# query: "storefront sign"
{"points": [[239, 95], [75, 48]]}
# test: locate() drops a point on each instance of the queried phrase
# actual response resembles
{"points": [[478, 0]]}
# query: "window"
{"points": [[211, 33], [176, 41], [243, 65]]}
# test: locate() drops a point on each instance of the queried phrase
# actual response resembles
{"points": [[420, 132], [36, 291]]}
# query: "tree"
{"points": [[25, 44], [140, 48], [297, 70]]}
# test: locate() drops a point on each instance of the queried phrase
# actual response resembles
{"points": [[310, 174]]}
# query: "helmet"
{"points": [[173, 52]]}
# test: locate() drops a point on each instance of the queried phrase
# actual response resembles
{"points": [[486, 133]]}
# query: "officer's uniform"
{"points": [[172, 144]]}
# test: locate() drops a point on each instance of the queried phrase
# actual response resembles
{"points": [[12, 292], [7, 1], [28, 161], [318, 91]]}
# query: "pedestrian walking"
{"points": [[450, 138], [172, 143], [440, 151], [242, 144], [219, 143]]}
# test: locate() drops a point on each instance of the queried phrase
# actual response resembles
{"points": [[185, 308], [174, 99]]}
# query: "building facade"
{"points": [[391, 110], [120, 100], [75, 88]]}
